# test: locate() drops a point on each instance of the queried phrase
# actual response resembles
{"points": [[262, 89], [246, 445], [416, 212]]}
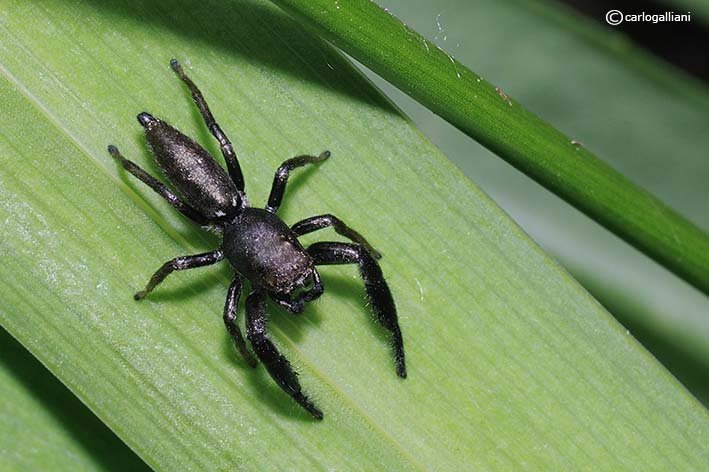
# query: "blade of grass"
{"points": [[486, 113], [511, 363]]}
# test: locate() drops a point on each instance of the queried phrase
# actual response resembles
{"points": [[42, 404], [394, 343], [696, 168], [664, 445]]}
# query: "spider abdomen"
{"points": [[263, 249], [191, 169]]}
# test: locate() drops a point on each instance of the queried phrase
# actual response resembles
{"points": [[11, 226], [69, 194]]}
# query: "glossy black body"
{"points": [[191, 170], [260, 247]]}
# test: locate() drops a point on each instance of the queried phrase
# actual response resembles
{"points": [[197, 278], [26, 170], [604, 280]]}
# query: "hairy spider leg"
{"points": [[326, 253], [180, 263], [230, 310], [281, 178], [159, 188], [296, 305], [232, 162], [277, 366], [315, 223]]}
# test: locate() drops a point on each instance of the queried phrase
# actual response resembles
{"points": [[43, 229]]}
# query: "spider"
{"points": [[260, 247]]}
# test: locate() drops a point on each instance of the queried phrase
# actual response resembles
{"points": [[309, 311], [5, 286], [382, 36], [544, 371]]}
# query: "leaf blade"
{"points": [[162, 373]]}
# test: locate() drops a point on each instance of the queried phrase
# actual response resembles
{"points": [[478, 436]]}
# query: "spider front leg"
{"points": [[315, 223], [180, 263], [376, 287], [277, 366], [281, 177], [232, 162], [296, 305], [230, 309], [157, 186]]}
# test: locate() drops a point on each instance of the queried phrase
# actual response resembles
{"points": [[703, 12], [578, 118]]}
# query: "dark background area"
{"points": [[683, 44]]}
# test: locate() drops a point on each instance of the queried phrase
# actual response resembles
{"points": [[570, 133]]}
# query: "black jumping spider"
{"points": [[259, 245]]}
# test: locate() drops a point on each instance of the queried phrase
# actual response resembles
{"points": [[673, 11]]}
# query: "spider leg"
{"points": [[278, 366], [315, 223], [180, 263], [232, 162], [230, 308], [374, 284], [296, 305], [281, 177], [159, 188]]}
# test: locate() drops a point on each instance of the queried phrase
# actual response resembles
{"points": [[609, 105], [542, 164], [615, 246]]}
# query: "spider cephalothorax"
{"points": [[259, 245]]}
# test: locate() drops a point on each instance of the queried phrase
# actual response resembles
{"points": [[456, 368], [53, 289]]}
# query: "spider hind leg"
{"points": [[378, 293], [276, 364]]}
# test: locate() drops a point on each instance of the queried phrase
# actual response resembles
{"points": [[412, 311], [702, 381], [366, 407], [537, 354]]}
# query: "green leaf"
{"points": [[511, 363], [485, 112]]}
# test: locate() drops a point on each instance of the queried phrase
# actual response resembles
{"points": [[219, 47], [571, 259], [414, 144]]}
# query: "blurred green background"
{"points": [[643, 116]]}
